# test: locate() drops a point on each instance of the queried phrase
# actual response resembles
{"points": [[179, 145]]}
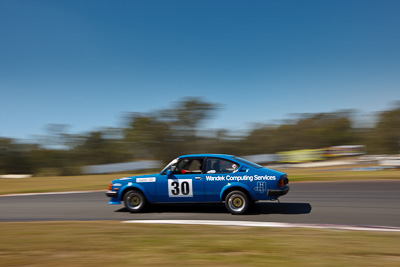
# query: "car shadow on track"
{"points": [[256, 209], [280, 208]]}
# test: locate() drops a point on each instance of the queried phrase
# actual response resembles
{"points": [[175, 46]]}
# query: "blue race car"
{"points": [[201, 178]]}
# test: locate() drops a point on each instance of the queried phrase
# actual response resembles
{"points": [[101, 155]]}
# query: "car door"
{"points": [[218, 173], [185, 184]]}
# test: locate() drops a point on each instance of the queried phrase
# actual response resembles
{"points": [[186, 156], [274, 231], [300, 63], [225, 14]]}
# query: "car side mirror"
{"points": [[169, 174]]}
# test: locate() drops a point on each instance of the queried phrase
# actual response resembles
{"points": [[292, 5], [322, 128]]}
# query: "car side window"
{"points": [[188, 166], [221, 166]]}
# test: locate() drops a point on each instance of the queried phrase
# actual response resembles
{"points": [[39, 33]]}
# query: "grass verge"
{"points": [[57, 183], [116, 244]]}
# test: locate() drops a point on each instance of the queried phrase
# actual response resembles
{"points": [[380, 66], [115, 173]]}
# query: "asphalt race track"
{"points": [[370, 203]]}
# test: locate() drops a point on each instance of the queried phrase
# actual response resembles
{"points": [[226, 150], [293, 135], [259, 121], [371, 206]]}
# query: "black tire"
{"points": [[134, 201], [237, 202]]}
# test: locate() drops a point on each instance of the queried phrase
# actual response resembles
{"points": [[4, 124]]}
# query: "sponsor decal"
{"points": [[261, 187], [117, 184], [215, 178], [146, 180], [239, 178]]}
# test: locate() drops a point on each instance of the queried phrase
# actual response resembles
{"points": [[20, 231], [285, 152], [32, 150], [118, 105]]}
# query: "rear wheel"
{"points": [[237, 202], [134, 201]]}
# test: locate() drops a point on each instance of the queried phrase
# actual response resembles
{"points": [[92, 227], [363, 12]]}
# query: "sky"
{"points": [[88, 63]]}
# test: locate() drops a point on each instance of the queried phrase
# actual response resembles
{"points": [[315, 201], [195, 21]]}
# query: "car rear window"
{"points": [[245, 161]]}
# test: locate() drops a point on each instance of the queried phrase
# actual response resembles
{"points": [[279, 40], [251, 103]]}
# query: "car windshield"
{"points": [[245, 161], [169, 165]]}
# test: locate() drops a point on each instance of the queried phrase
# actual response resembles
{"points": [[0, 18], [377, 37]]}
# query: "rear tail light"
{"points": [[110, 186], [283, 181]]}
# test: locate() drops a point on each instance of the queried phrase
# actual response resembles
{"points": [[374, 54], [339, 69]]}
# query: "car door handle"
{"points": [[198, 178]]}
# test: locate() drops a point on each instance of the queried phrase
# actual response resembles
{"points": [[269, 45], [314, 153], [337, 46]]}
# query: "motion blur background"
{"points": [[97, 82]]}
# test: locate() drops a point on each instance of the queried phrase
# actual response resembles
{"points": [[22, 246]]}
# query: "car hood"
{"points": [[133, 179]]}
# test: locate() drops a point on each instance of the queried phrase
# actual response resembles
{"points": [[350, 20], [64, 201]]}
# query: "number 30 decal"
{"points": [[180, 188]]}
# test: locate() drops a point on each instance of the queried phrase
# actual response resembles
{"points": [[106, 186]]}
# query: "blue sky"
{"points": [[87, 63]]}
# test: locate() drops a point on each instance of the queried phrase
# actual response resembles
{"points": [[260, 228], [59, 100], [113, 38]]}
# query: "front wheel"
{"points": [[134, 201], [237, 202]]}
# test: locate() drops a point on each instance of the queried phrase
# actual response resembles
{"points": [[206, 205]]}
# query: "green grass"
{"points": [[57, 183], [117, 244], [100, 182]]}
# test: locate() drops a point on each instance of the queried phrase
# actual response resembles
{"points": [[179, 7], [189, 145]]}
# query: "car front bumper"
{"points": [[278, 192], [110, 193]]}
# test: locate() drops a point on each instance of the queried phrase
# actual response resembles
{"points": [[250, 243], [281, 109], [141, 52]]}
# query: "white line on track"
{"points": [[51, 193], [271, 224]]}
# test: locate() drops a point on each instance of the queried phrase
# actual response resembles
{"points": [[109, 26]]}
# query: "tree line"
{"points": [[166, 134]]}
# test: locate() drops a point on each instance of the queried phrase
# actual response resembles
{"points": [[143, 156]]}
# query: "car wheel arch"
{"points": [[139, 188], [227, 189]]}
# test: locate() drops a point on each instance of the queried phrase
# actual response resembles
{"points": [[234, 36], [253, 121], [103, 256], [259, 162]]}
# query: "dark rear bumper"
{"points": [[278, 192]]}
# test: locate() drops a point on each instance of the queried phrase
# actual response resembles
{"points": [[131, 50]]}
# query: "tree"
{"points": [[14, 157], [99, 148], [146, 136], [168, 133], [324, 129], [385, 137], [308, 132]]}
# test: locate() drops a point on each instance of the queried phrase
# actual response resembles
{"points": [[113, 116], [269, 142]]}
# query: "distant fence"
{"points": [[304, 155], [15, 176], [121, 167], [390, 161], [310, 155], [262, 158]]}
